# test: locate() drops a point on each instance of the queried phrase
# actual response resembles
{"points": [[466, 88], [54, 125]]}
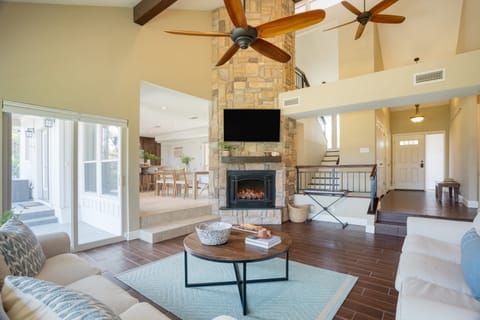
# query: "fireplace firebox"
{"points": [[250, 188]]}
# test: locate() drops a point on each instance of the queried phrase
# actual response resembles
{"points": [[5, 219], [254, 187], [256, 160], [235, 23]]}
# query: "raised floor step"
{"points": [[174, 229], [40, 221], [391, 228], [154, 218]]}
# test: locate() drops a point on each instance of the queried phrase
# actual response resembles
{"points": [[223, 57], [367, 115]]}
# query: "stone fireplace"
{"points": [[251, 81]]}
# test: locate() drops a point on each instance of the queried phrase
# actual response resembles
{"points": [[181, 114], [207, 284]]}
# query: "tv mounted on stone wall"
{"points": [[251, 125]]}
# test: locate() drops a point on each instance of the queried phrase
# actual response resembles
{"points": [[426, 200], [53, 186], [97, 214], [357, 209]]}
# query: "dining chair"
{"points": [[181, 182]]}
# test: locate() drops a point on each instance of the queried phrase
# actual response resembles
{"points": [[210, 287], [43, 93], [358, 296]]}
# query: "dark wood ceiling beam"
{"points": [[146, 10]]}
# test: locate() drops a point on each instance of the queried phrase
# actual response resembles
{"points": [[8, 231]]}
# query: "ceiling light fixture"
{"points": [[417, 117]]}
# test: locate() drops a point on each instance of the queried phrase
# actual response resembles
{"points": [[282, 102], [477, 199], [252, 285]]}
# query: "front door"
{"points": [[409, 161]]}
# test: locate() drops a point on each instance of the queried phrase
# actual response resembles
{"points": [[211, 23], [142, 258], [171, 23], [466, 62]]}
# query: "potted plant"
{"points": [[226, 148], [147, 157], [186, 161], [6, 215]]}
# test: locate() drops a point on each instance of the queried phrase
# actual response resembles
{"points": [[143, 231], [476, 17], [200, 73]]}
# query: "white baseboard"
{"points": [[370, 229], [468, 203], [132, 235]]}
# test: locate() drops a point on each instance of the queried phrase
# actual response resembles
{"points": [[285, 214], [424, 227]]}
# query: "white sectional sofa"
{"points": [[72, 273], [430, 277]]}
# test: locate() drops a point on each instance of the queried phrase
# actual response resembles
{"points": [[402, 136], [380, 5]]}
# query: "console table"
{"points": [[451, 184]]}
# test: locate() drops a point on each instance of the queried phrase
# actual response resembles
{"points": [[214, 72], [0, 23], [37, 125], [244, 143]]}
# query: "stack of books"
{"points": [[263, 242]]}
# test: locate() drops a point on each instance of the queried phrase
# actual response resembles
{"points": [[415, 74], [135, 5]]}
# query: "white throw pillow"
{"points": [[26, 298]]}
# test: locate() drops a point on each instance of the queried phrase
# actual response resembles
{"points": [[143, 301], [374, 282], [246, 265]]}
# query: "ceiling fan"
{"points": [[244, 35], [371, 15]]}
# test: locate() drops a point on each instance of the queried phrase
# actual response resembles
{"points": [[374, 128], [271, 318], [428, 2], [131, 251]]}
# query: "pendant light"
{"points": [[417, 117]]}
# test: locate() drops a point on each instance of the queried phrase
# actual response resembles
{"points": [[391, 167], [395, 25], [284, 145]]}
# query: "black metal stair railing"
{"points": [[347, 179]]}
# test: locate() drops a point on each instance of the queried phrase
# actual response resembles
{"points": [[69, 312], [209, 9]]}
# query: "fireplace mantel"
{"points": [[251, 159]]}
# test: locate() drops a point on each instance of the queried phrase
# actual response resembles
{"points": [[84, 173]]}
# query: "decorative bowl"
{"points": [[213, 233]]}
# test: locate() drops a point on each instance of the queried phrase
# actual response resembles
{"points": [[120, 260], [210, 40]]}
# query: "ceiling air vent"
{"points": [[290, 102], [429, 77]]}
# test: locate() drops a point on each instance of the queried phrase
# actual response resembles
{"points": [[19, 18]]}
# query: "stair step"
{"points": [[42, 212], [150, 219], [174, 229], [324, 178], [40, 221], [391, 228], [323, 184], [392, 217]]}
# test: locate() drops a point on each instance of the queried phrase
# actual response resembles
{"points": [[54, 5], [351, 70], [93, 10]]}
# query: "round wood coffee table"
{"points": [[236, 252]]}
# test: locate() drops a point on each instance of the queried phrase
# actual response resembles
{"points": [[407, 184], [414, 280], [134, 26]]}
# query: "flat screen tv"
{"points": [[251, 125]]}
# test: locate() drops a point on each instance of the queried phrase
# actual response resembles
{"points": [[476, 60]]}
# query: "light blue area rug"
{"points": [[310, 293]]}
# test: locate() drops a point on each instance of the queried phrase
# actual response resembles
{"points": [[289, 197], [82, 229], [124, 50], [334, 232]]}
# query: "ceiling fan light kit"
{"points": [[244, 35], [417, 117]]}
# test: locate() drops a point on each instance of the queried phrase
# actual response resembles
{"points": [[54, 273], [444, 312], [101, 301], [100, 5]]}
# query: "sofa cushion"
{"points": [[432, 247], [143, 311], [66, 268], [106, 292], [471, 261], [28, 298], [437, 271], [420, 299], [20, 249]]}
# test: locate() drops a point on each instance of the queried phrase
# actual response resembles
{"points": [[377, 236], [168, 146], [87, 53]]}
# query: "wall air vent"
{"points": [[429, 77], [290, 102]]}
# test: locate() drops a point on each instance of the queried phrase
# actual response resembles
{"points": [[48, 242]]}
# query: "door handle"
{"points": [[422, 164]]}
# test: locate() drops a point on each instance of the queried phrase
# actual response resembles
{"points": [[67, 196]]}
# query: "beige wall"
{"points": [[357, 137], [355, 57], [464, 142], [436, 119], [311, 142], [92, 59]]}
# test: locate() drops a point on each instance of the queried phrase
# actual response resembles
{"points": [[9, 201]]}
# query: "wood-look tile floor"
{"points": [[372, 258], [424, 203]]}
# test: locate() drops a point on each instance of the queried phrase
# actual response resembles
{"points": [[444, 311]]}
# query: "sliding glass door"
{"points": [[66, 174], [99, 196]]}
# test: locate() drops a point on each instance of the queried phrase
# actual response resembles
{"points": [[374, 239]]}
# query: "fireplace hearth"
{"points": [[250, 189]]}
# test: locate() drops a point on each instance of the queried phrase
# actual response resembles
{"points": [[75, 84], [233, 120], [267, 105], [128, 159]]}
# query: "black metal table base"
{"points": [[240, 281]]}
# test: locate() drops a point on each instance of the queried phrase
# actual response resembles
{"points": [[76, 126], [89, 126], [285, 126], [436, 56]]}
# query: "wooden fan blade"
{"points": [[236, 13], [198, 33], [387, 18], [341, 25], [289, 24], [360, 29], [382, 6], [270, 50], [230, 52], [351, 8]]}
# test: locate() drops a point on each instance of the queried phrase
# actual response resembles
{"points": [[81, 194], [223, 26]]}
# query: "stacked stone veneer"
{"points": [[250, 80]]}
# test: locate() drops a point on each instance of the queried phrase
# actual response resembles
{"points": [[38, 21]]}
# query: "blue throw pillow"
{"points": [[471, 261]]}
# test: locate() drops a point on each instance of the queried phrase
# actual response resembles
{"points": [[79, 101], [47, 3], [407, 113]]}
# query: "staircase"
{"points": [[331, 157], [156, 227], [37, 215]]}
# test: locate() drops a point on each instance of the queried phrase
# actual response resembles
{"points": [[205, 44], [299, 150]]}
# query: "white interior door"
{"points": [[409, 161]]}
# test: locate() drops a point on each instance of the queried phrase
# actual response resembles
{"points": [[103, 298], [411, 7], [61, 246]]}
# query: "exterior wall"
{"points": [[464, 143], [92, 59], [250, 80]]}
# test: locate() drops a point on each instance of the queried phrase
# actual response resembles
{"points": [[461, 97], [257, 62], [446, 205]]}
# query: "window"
{"points": [[408, 142], [331, 128], [101, 154]]}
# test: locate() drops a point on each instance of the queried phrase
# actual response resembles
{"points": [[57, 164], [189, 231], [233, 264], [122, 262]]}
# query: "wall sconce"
{"points": [[417, 117], [48, 122], [29, 132]]}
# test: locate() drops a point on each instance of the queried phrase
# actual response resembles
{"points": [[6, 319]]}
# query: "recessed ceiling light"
{"points": [[164, 108], [193, 118], [157, 126]]}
